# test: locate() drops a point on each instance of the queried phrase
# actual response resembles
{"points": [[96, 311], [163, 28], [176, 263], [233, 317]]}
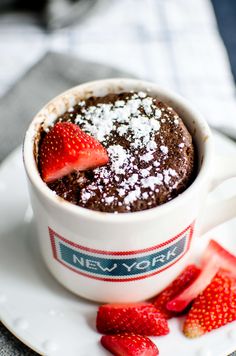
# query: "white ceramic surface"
{"points": [[52, 320]]}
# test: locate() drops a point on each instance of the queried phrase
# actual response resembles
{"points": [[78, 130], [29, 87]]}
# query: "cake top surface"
{"points": [[150, 153]]}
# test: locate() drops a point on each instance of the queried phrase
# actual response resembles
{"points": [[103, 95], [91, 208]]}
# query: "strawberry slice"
{"points": [[214, 258], [129, 345], [182, 300], [66, 148], [139, 318], [187, 276], [214, 307], [226, 259]]}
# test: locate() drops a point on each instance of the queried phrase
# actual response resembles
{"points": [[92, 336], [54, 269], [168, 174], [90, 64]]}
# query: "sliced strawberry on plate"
{"points": [[214, 307], [226, 259], [129, 345], [214, 258], [139, 318], [187, 276], [182, 300], [66, 148]]}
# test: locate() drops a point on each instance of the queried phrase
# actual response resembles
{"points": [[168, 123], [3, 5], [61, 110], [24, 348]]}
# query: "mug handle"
{"points": [[224, 209]]}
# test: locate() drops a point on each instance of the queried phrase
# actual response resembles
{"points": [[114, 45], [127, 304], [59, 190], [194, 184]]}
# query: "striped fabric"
{"points": [[173, 43]]}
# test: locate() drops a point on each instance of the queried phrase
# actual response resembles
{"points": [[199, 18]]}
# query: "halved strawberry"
{"points": [[139, 318], [214, 307], [129, 345], [187, 276], [214, 258], [66, 148]]}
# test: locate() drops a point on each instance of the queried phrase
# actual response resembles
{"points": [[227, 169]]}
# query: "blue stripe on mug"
{"points": [[120, 265]]}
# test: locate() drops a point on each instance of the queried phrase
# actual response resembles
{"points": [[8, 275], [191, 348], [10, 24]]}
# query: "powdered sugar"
{"points": [[109, 200], [118, 158], [85, 195], [147, 157], [132, 180], [168, 174], [144, 172], [132, 116], [147, 105], [164, 149], [151, 182], [132, 196], [142, 95], [158, 113], [176, 120], [133, 166]]}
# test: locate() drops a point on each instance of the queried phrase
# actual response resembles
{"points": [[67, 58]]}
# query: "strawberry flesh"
{"points": [[187, 276], [139, 318], [214, 307], [183, 299], [226, 259], [66, 148], [129, 345], [214, 258]]}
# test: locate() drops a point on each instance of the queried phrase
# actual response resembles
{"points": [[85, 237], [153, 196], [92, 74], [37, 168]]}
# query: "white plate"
{"points": [[51, 320]]}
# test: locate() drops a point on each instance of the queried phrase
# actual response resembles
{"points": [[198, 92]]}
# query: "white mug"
{"points": [[124, 257]]}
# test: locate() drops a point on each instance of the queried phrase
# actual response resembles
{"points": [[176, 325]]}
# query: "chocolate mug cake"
{"points": [[150, 154], [129, 226]]}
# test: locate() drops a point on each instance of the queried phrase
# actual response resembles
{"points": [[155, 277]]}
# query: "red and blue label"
{"points": [[120, 266]]}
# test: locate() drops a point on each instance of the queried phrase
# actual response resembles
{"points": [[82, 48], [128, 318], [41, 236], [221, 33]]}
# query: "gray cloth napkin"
{"points": [[53, 74]]}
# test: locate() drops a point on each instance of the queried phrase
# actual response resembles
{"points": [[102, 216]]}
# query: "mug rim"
{"points": [[89, 214]]}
